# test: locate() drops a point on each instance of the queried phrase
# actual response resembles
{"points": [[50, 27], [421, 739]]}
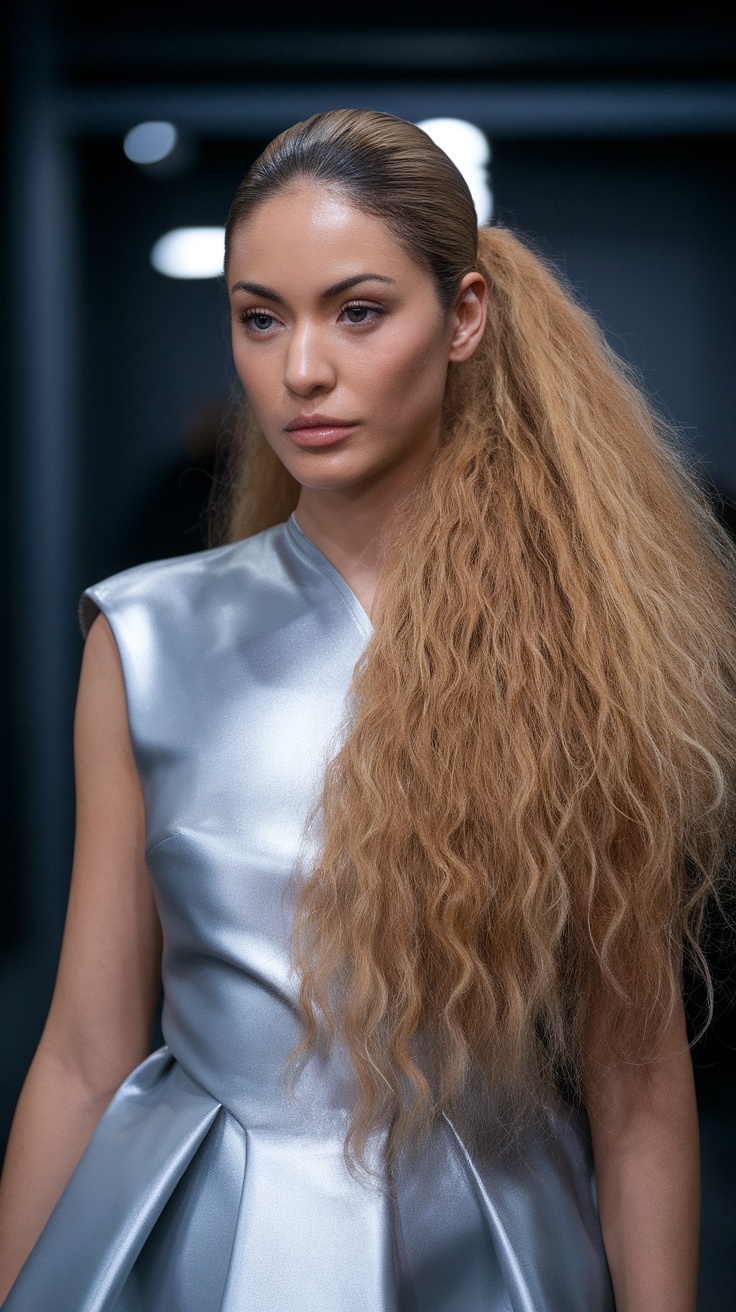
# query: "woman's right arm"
{"points": [[101, 1017]]}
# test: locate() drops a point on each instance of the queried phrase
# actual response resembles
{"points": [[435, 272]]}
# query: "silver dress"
{"points": [[209, 1185]]}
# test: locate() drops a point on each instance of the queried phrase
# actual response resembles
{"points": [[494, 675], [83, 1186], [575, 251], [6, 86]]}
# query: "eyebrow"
{"points": [[257, 288]]}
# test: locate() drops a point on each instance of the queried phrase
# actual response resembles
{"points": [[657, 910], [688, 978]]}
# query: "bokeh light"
{"points": [[148, 143], [470, 150], [190, 253]]}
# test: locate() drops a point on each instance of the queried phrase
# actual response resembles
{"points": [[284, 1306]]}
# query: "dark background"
{"points": [[612, 151]]}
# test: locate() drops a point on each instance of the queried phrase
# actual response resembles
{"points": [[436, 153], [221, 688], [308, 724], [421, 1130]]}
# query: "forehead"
{"points": [[306, 225]]}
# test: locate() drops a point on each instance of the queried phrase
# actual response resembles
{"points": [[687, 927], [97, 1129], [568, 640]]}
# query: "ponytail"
{"points": [[535, 795], [532, 806]]}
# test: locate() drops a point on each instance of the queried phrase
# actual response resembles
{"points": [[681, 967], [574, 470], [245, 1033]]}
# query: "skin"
{"points": [[301, 353], [101, 1017], [644, 1128], [385, 370]]}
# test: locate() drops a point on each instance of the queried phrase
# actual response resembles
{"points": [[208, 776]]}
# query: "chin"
{"points": [[324, 479]]}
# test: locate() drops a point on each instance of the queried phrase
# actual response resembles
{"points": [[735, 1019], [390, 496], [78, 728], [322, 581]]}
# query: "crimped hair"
{"points": [[534, 799]]}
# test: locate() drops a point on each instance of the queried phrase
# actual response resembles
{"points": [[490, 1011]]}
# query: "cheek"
{"points": [[240, 359], [406, 372], [256, 371], [241, 355]]}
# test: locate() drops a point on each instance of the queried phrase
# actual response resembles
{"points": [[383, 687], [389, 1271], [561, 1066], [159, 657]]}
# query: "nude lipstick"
{"points": [[318, 430]]}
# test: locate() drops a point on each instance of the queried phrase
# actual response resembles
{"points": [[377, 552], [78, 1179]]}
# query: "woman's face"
{"points": [[339, 339]]}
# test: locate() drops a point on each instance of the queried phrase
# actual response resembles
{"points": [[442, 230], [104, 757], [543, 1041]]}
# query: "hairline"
{"points": [[355, 196]]}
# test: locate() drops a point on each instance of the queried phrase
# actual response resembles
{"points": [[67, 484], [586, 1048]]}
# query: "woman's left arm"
{"points": [[644, 1127]]}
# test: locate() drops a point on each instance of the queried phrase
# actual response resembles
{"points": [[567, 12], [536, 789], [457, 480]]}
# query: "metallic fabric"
{"points": [[211, 1184]]}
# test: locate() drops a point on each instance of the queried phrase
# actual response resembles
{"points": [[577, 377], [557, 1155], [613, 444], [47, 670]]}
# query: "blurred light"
{"points": [[463, 142], [147, 143], [190, 253], [470, 151]]}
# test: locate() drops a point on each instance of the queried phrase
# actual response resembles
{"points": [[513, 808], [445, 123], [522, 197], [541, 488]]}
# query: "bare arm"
{"points": [[101, 1015], [645, 1144]]}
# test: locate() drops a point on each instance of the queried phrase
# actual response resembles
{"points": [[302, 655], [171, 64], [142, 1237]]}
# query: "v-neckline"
{"points": [[318, 558]]}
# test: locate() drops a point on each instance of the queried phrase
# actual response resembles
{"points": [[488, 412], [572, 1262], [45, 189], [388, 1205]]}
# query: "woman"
{"points": [[433, 781]]}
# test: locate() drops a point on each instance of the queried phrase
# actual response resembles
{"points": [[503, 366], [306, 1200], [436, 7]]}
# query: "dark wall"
{"points": [[156, 349], [9, 887], [514, 15], [644, 231]]}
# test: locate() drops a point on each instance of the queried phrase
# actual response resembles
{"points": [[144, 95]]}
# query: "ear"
{"points": [[468, 317]]}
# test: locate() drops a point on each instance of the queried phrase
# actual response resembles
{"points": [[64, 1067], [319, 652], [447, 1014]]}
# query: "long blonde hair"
{"points": [[534, 801]]}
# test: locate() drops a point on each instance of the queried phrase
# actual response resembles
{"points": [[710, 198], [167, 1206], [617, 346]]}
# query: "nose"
{"points": [[308, 366]]}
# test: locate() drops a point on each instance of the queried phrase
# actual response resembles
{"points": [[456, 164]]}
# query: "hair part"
{"points": [[536, 786]]}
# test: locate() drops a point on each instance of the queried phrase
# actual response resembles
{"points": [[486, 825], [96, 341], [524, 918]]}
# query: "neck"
{"points": [[354, 526]]}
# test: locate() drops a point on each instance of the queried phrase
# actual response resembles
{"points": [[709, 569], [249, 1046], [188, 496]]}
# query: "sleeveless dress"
{"points": [[209, 1185]]}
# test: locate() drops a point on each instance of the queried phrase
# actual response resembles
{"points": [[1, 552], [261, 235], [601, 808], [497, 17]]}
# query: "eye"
{"points": [[360, 313], [259, 320]]}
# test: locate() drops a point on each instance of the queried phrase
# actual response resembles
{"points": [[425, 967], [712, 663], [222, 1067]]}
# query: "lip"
{"points": [[318, 430]]}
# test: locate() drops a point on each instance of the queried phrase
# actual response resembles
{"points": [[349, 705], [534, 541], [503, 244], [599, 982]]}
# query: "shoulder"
{"points": [[175, 630], [182, 586]]}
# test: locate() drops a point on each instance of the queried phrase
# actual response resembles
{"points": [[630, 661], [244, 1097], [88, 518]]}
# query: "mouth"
{"points": [[319, 430]]}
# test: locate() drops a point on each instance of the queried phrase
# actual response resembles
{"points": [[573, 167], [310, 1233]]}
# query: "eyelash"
{"points": [[249, 315], [363, 305]]}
